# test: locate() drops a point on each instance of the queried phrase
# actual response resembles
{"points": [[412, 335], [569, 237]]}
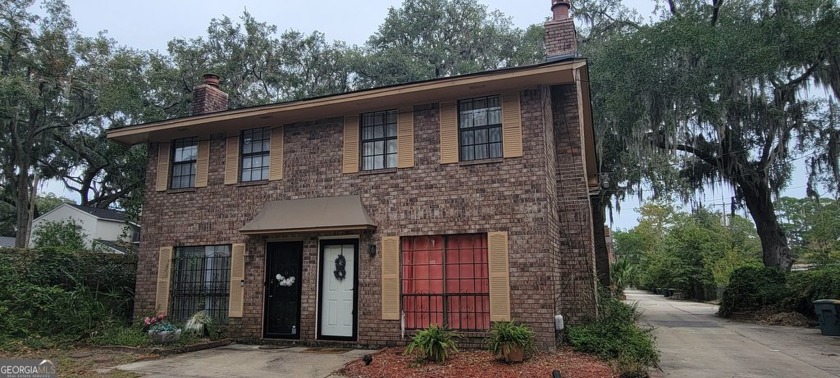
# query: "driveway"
{"points": [[696, 343], [248, 361]]}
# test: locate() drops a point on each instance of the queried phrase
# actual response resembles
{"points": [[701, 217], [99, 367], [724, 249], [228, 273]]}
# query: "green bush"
{"points": [[751, 288], [615, 336], [58, 294], [434, 343], [808, 286], [505, 336]]}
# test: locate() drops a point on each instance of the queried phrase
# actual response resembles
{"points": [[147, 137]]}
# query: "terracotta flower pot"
{"points": [[516, 354]]}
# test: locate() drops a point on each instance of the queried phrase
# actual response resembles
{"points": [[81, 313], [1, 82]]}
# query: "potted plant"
{"points": [[160, 330], [434, 343], [511, 341], [200, 324]]}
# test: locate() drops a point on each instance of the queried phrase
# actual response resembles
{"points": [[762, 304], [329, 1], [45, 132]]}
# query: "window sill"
{"points": [[377, 171], [480, 162], [252, 183], [180, 190]]}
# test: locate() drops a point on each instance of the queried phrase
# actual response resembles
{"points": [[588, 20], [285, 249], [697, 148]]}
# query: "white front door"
{"points": [[337, 289]]}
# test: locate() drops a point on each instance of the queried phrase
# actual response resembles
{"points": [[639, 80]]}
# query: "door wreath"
{"points": [[340, 271]]}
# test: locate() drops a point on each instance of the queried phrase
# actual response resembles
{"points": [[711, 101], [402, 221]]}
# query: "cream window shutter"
{"points": [[448, 132], [202, 163], [497, 250], [405, 138], [275, 170], [162, 178], [351, 144], [390, 278], [511, 125], [237, 281], [232, 160], [163, 274]]}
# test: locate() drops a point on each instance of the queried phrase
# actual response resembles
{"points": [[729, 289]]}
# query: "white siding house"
{"points": [[101, 227]]}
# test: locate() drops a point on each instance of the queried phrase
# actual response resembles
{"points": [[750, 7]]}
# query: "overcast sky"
{"points": [[150, 24]]}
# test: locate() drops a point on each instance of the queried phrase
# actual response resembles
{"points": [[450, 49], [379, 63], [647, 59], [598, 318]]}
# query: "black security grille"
{"points": [[200, 281]]}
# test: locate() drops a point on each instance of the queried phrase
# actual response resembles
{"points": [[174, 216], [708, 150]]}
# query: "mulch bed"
{"points": [[391, 362]]}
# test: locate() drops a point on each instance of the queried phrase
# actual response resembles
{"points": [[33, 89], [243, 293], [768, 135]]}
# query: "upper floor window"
{"points": [[184, 155], [255, 154], [480, 128], [379, 140]]}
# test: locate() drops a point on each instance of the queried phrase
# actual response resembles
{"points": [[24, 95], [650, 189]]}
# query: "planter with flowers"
{"points": [[160, 330]]}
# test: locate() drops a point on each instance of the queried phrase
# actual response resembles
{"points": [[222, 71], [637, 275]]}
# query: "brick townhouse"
{"points": [[358, 217]]}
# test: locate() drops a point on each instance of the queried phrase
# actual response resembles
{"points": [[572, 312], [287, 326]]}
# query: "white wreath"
{"points": [[285, 281]]}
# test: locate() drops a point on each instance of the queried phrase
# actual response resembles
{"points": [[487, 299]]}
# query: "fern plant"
{"points": [[434, 343], [200, 323], [505, 337]]}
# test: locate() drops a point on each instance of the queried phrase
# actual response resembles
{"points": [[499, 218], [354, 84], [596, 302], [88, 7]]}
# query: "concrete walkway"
{"points": [[248, 361], [696, 343]]}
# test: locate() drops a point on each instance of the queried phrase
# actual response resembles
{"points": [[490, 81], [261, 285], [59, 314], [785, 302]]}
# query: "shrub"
{"points": [[806, 287], [434, 343], [505, 336], [53, 293], [615, 336], [201, 324], [751, 288]]}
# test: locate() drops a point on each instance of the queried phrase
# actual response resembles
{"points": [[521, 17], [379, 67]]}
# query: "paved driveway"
{"points": [[248, 361], [696, 343]]}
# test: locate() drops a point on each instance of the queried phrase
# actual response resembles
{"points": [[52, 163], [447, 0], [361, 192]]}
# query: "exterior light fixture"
{"points": [[372, 250]]}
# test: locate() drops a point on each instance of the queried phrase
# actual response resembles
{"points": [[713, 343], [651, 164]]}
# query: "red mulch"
{"points": [[391, 362]]}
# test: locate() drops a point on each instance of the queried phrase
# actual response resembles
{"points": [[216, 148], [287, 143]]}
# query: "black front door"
{"points": [[284, 264]]}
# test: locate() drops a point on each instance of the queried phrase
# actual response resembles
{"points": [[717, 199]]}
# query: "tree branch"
{"points": [[673, 8], [716, 10]]}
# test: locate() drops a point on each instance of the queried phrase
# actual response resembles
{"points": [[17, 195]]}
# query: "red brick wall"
{"points": [[208, 99], [560, 37], [575, 262], [517, 195]]}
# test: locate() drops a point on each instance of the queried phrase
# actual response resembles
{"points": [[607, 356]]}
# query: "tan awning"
{"points": [[308, 215]]}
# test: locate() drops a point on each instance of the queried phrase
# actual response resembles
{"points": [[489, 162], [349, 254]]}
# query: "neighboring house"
{"points": [[7, 241], [104, 229], [460, 200]]}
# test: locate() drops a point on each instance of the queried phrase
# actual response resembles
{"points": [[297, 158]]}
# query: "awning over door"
{"points": [[308, 215]]}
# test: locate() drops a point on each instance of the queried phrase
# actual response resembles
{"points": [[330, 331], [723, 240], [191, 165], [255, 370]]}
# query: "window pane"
{"points": [[481, 136], [264, 174], [481, 151], [378, 163], [467, 138], [392, 146], [367, 163], [392, 117], [367, 149], [467, 153], [378, 132], [496, 150], [496, 134], [246, 162], [392, 130], [494, 117], [379, 148], [392, 160], [367, 133]]}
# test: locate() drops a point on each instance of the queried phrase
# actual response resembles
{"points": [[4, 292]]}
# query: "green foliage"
{"points": [[813, 227], [201, 324], [725, 98], [63, 294], [63, 235], [751, 288], [621, 274], [505, 336], [615, 336], [807, 286], [426, 39], [435, 343], [693, 252]]}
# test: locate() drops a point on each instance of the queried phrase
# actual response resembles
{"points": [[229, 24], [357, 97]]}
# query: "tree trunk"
{"points": [[774, 243], [22, 208]]}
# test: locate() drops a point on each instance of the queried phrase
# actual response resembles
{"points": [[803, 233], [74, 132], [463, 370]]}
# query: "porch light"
{"points": [[372, 250]]}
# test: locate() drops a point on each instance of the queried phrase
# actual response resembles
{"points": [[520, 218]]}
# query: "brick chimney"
{"points": [[208, 98], [560, 35]]}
